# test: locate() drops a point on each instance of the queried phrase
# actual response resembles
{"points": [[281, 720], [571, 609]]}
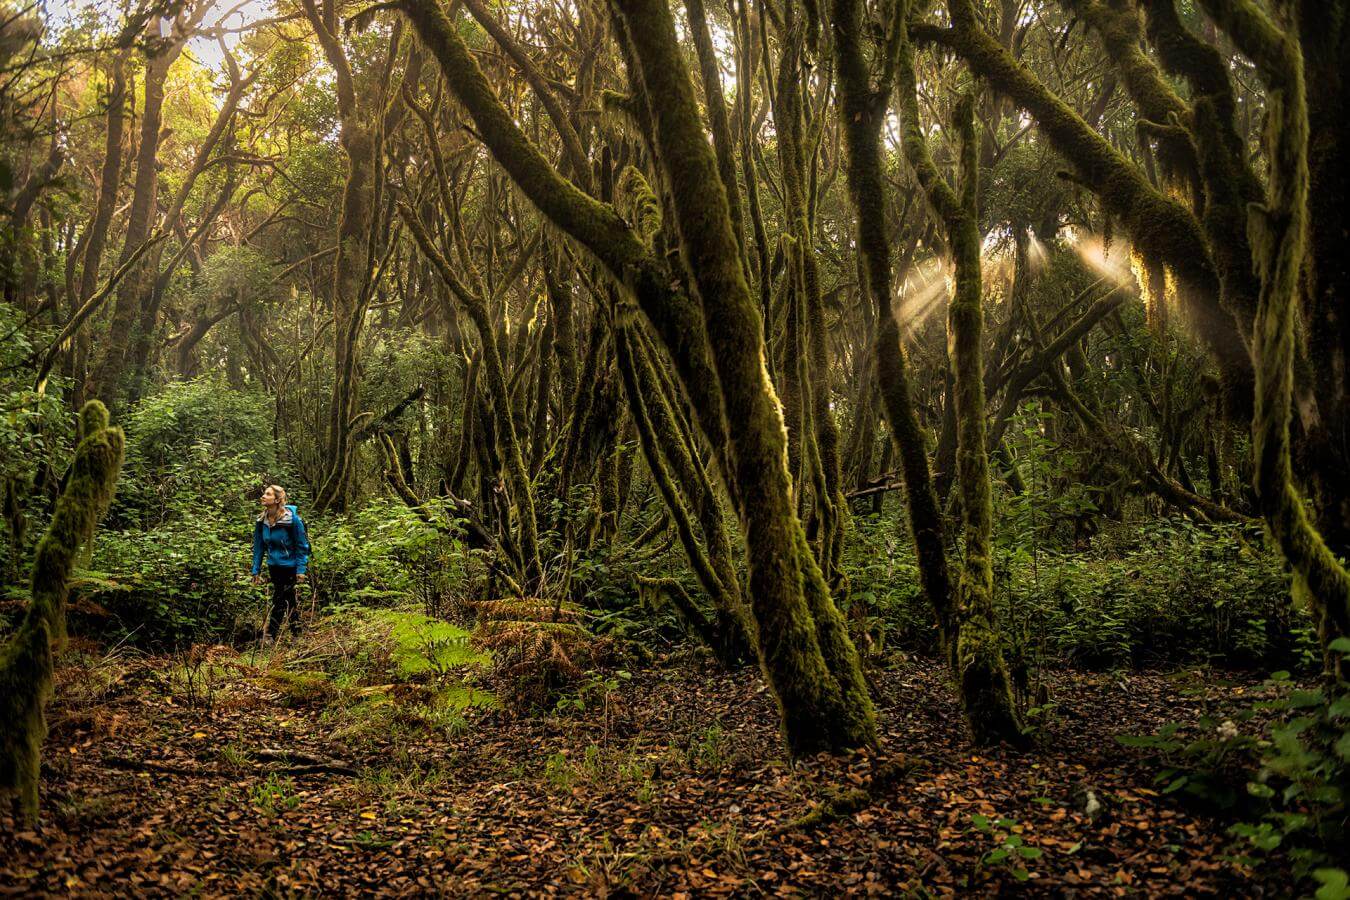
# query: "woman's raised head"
{"points": [[274, 495]]}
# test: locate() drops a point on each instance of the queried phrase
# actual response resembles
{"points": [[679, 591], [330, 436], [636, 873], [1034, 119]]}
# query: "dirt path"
{"points": [[676, 785]]}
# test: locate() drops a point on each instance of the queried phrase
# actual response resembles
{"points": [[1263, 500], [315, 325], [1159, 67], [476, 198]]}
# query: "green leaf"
{"points": [[1257, 789], [1031, 852], [1305, 699], [1335, 884]]}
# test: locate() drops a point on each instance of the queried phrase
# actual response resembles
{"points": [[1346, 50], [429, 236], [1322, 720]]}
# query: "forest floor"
{"points": [[675, 785]]}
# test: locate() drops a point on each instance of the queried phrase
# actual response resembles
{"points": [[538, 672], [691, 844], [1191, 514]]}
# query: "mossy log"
{"points": [[26, 660]]}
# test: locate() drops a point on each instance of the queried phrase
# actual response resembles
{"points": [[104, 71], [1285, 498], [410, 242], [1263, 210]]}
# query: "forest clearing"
{"points": [[673, 448]]}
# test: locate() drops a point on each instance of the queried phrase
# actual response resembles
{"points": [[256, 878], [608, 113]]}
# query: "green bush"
{"points": [[1175, 593], [1281, 767], [884, 590], [385, 555], [195, 448], [169, 586], [1164, 593]]}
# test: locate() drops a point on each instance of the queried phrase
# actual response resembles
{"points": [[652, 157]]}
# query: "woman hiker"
{"points": [[279, 534]]}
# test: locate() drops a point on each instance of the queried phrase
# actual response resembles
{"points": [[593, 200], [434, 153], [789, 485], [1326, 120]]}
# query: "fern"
{"points": [[538, 647]]}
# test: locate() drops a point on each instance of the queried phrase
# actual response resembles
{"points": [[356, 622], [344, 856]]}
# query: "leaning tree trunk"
{"points": [[111, 369], [26, 658], [107, 196], [351, 267]]}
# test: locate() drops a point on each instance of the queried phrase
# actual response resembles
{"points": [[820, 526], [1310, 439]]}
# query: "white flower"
{"points": [[1227, 730]]}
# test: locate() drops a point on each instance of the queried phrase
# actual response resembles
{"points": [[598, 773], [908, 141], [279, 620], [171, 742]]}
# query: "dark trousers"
{"points": [[284, 606]]}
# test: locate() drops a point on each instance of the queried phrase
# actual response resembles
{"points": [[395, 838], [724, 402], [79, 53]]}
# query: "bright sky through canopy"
{"points": [[231, 14]]}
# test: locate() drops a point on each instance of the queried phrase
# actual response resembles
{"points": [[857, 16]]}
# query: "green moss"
{"points": [[1278, 231], [645, 208], [300, 688], [786, 590], [26, 659]]}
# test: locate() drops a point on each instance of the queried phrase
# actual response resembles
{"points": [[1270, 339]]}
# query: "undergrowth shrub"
{"points": [[195, 450], [539, 649], [379, 673], [1165, 593], [886, 603], [167, 587], [1280, 767], [384, 555]]}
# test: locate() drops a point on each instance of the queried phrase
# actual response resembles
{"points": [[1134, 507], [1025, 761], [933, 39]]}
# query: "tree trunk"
{"points": [[807, 657], [352, 264], [26, 659]]}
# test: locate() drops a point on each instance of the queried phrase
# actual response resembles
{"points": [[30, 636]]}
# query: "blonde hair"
{"points": [[279, 492]]}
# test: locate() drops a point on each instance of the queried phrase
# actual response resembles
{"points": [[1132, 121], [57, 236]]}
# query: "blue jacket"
{"points": [[285, 543]]}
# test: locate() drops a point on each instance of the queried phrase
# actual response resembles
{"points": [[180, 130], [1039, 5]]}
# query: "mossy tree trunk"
{"points": [[508, 446], [26, 659], [111, 369], [986, 690], [806, 364], [1324, 31], [966, 615], [352, 264], [109, 178], [1278, 231], [716, 342], [804, 648], [862, 109]]}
